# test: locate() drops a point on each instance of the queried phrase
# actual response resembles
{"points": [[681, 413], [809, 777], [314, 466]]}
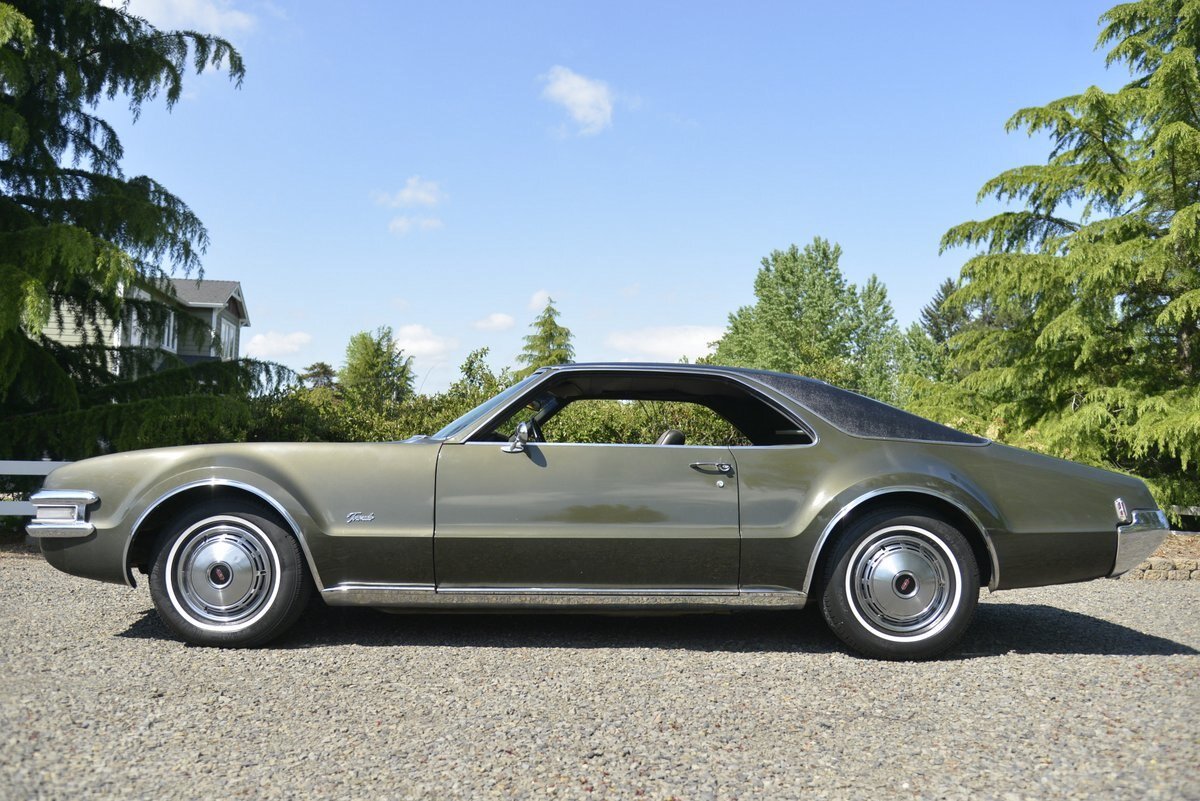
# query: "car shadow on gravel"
{"points": [[1003, 628], [998, 629], [324, 627]]}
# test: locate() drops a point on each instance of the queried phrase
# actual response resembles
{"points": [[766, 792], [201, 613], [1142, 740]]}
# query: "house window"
{"points": [[169, 335], [137, 333], [229, 343]]}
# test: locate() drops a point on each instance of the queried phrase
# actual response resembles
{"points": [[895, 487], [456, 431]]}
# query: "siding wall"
{"points": [[188, 344], [68, 334]]}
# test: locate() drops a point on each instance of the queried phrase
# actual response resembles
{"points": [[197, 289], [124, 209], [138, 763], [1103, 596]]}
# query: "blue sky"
{"points": [[442, 168]]}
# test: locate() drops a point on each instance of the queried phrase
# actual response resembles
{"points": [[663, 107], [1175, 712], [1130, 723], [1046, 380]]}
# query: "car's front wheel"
{"points": [[226, 574], [900, 585]]}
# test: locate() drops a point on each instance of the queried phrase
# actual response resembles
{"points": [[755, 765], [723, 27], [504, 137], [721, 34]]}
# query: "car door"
{"points": [[592, 517]]}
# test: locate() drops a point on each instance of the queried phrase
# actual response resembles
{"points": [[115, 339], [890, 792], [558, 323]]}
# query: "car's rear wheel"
{"points": [[900, 585], [226, 574]]}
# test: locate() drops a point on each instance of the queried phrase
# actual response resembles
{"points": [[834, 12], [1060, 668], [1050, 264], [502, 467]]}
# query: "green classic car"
{"points": [[890, 522]]}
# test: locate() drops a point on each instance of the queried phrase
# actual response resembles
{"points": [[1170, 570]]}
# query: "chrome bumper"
{"points": [[61, 514], [1139, 538]]}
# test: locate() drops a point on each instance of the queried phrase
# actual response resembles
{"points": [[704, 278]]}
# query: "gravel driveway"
{"points": [[1085, 691]]}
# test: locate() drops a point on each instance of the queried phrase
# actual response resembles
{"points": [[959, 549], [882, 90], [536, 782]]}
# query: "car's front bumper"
{"points": [[1139, 538]]}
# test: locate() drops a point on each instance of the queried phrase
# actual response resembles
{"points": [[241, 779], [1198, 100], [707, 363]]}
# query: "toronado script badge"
{"points": [[360, 517]]}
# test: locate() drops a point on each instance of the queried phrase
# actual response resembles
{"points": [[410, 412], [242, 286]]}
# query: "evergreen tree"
{"points": [[376, 371], [319, 375], [76, 234], [549, 344], [939, 319], [1085, 339]]}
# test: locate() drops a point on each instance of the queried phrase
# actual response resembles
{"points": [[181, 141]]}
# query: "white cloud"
{"points": [[273, 344], [420, 341], [416, 192], [403, 224], [496, 321], [207, 16], [666, 343], [539, 299], [588, 101]]}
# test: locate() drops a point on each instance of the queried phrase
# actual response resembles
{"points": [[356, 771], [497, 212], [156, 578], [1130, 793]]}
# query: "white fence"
{"points": [[23, 508]]}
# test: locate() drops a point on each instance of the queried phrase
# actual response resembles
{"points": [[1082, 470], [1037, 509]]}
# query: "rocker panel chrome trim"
{"points": [[424, 596], [861, 499], [222, 482]]}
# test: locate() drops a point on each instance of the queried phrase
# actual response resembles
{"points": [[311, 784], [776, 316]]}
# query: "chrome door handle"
{"points": [[712, 467]]}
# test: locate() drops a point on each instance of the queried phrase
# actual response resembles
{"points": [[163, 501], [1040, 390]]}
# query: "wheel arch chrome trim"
{"points": [[846, 509], [232, 484]]}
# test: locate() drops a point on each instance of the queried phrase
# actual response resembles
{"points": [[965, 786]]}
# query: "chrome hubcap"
{"points": [[224, 574], [902, 583]]}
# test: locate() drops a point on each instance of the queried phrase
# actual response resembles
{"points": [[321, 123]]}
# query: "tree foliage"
{"points": [[808, 319], [1084, 302], [376, 371], [319, 375], [548, 344], [77, 233]]}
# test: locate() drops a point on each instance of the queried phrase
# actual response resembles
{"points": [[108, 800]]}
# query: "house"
{"points": [[215, 313], [219, 304]]}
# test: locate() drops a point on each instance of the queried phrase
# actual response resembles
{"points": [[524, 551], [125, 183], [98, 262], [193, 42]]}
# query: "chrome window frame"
{"points": [[756, 388]]}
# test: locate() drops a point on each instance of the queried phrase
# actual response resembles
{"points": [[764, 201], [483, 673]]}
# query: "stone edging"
{"points": [[1157, 568]]}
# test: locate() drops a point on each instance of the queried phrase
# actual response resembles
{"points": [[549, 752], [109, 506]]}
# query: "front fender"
{"points": [[362, 512], [198, 480]]}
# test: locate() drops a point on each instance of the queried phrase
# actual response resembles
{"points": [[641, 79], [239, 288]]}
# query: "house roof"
{"points": [[211, 294]]}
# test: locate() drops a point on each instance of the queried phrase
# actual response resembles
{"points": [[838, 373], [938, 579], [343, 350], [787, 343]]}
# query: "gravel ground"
{"points": [[1085, 691]]}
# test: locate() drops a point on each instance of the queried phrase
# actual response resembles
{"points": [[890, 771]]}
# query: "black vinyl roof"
{"points": [[859, 415]]}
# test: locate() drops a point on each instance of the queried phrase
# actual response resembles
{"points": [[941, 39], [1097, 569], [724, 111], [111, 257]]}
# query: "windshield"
{"points": [[486, 408]]}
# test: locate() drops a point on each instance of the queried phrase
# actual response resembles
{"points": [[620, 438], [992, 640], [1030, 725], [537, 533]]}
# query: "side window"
{"points": [[229, 343], [640, 422], [644, 408]]}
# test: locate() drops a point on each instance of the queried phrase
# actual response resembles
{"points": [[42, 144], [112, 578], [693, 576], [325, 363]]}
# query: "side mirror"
{"points": [[519, 440]]}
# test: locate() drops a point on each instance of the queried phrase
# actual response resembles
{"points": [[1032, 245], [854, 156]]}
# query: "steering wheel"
{"points": [[535, 431]]}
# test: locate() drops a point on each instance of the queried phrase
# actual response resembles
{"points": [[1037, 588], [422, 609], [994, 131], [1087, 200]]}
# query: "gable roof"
{"points": [[210, 294]]}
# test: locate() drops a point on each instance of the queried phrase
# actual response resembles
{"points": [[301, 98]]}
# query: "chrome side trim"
{"points": [[1139, 538], [848, 508], [426, 596], [71, 518], [365, 594], [222, 482], [589, 591]]}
